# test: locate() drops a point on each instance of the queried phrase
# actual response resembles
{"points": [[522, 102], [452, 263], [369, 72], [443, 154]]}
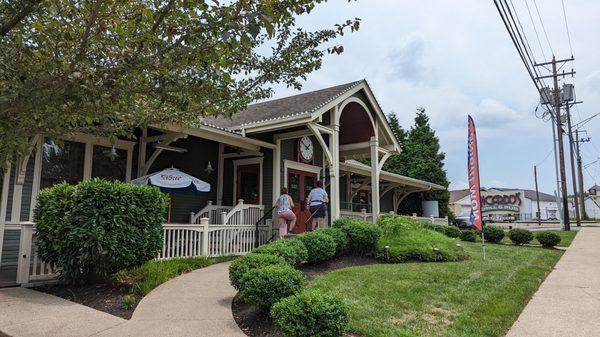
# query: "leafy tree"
{"points": [[421, 158], [105, 67], [396, 163]]}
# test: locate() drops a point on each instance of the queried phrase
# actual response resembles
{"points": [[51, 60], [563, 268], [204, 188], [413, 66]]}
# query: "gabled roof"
{"points": [[456, 195], [283, 107]]}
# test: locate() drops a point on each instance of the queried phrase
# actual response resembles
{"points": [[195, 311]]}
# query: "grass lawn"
{"points": [[565, 238], [154, 273], [468, 298]]}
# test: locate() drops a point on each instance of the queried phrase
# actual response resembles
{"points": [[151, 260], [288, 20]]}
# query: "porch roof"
{"points": [[365, 170]]}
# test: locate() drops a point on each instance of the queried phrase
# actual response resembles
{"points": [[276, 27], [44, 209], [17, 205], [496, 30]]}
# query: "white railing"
{"points": [[192, 240], [243, 214], [362, 215], [179, 241], [31, 269], [437, 221], [210, 211]]}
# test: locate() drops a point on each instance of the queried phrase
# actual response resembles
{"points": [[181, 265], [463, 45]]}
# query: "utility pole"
{"points": [[561, 150], [584, 215], [537, 196], [573, 173]]}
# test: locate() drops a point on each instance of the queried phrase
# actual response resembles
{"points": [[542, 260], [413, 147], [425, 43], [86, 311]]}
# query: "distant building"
{"points": [[592, 202], [507, 204]]}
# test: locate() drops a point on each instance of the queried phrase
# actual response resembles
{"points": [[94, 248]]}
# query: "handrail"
{"points": [[238, 215], [211, 211], [256, 230]]}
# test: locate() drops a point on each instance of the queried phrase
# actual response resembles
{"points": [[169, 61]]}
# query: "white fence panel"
{"points": [[210, 211]]}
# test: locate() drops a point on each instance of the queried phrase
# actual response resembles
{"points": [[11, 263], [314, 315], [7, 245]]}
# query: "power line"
{"points": [[543, 27], [535, 30], [546, 157], [567, 26]]}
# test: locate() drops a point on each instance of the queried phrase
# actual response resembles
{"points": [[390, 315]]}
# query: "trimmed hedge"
{"points": [[340, 237], [320, 246], [468, 235], [451, 231], [266, 286], [292, 250], [362, 236], [240, 266], [548, 239], [493, 234], [520, 236], [96, 228], [310, 314]]}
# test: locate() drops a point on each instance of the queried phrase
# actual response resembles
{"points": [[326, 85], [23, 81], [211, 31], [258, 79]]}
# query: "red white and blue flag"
{"points": [[474, 187]]}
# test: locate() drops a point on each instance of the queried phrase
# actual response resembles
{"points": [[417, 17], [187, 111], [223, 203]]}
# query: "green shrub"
{"points": [[266, 286], [469, 235], [548, 239], [292, 250], [409, 240], [96, 228], [321, 247], [242, 265], [520, 236], [451, 231], [310, 314], [340, 237], [343, 221], [362, 236], [493, 234]]}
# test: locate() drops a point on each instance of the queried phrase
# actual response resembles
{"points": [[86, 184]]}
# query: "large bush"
{"points": [[320, 246], [310, 314], [493, 234], [266, 286], [404, 239], [520, 236], [292, 250], [362, 236], [468, 235], [96, 228], [340, 237], [548, 239], [242, 265]]}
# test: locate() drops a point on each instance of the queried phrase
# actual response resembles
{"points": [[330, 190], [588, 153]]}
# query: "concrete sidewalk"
{"points": [[194, 304], [568, 302], [26, 312]]}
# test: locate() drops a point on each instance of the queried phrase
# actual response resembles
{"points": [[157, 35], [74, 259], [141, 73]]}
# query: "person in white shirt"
{"points": [[318, 199]]}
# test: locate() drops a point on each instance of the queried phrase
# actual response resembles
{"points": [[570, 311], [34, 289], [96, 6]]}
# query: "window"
{"points": [[62, 162], [109, 163]]}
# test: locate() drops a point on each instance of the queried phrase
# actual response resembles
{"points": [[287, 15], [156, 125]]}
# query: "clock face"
{"points": [[306, 149]]}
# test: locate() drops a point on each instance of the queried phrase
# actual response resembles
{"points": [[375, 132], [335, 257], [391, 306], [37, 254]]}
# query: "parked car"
{"points": [[463, 221]]}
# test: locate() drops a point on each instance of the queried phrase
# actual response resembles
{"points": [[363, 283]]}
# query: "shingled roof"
{"points": [[283, 107], [457, 195]]}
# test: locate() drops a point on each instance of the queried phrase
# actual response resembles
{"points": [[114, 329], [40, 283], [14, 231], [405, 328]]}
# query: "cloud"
{"points": [[493, 114], [406, 61]]}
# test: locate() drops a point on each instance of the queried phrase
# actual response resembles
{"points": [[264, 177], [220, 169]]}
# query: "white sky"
{"points": [[456, 58]]}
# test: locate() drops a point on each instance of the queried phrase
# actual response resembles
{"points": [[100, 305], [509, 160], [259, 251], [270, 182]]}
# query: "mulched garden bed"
{"points": [[104, 297], [256, 323]]}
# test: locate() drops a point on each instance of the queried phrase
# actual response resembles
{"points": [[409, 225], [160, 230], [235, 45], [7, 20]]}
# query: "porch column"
{"points": [[334, 167], [277, 170], [374, 178]]}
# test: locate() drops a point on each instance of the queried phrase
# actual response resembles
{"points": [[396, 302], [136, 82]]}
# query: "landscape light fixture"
{"points": [[170, 148]]}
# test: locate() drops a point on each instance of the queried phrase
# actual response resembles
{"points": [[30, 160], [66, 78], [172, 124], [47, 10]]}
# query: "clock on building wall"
{"points": [[306, 150]]}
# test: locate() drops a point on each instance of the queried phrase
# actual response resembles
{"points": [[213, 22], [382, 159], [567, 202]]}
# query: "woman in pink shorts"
{"points": [[287, 218]]}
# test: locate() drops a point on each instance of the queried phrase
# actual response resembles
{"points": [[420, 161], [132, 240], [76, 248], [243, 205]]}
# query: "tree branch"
{"points": [[12, 21]]}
